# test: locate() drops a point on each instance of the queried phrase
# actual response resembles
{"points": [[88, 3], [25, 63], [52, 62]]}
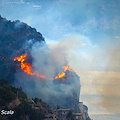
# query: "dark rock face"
{"points": [[15, 38], [69, 86]]}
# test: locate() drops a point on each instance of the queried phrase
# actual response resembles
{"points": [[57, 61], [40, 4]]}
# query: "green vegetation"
{"points": [[37, 100], [4, 82], [25, 108], [9, 93]]}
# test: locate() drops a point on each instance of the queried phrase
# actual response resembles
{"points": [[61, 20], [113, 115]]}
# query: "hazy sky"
{"points": [[94, 28]]}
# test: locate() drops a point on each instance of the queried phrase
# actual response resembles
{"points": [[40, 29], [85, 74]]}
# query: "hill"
{"points": [[15, 38], [14, 99]]}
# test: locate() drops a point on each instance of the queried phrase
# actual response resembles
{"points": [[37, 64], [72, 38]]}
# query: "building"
{"points": [[69, 114], [78, 116], [50, 116], [64, 114]]}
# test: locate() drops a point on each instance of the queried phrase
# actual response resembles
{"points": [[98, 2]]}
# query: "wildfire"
{"points": [[18, 51], [60, 75], [67, 68], [27, 67]]}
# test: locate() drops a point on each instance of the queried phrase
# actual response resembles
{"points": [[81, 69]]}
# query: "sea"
{"points": [[98, 112], [105, 116]]}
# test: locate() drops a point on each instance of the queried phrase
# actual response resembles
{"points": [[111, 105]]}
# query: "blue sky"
{"points": [[96, 19]]}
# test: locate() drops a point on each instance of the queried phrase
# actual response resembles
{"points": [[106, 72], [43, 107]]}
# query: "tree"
{"points": [[3, 82]]}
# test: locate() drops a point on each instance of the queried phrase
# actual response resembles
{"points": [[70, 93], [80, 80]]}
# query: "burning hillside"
{"points": [[26, 67], [39, 70], [15, 38], [66, 85]]}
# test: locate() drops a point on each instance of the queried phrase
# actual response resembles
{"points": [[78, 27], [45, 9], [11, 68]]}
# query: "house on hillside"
{"points": [[64, 114], [69, 114]]}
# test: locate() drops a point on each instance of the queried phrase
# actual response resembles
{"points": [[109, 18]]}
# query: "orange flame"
{"points": [[18, 51], [61, 75], [67, 68], [26, 67]]}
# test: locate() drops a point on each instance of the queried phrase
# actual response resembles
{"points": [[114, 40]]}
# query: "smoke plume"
{"points": [[48, 60]]}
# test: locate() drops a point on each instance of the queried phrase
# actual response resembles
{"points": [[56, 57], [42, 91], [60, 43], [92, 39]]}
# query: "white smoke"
{"points": [[48, 61]]}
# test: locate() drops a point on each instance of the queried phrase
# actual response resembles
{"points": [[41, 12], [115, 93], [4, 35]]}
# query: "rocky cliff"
{"points": [[17, 38]]}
